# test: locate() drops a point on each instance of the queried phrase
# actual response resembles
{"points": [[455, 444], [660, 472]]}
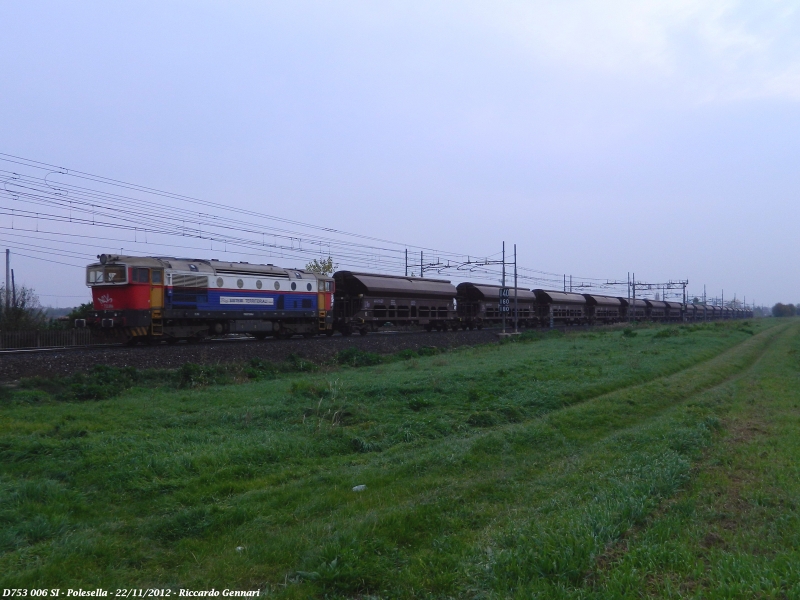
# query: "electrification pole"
{"points": [[516, 302], [504, 282], [8, 279]]}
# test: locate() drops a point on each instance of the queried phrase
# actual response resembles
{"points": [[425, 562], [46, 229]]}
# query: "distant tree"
{"points": [[24, 311], [80, 312], [695, 300], [323, 266], [784, 310]]}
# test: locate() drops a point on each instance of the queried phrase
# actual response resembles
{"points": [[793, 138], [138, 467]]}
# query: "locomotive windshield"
{"points": [[107, 274]]}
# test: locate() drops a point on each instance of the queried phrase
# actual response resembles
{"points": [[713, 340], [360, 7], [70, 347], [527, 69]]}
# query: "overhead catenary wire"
{"points": [[40, 193]]}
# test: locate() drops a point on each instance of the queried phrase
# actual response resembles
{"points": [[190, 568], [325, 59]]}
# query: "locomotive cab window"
{"points": [[115, 274], [107, 274], [140, 275], [94, 275], [158, 276]]}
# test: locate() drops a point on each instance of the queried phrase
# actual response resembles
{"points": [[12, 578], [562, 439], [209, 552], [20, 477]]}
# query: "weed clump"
{"points": [[483, 418], [417, 404], [100, 383], [305, 389], [667, 332], [354, 357], [192, 375], [5, 393], [364, 446], [628, 332]]}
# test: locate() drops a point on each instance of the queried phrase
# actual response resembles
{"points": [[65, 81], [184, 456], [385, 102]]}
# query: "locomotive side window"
{"points": [[141, 275], [158, 276]]}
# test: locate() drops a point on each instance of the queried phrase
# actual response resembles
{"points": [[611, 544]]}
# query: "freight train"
{"points": [[151, 299]]}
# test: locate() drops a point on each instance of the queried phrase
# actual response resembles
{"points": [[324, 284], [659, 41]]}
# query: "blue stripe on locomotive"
{"points": [[211, 300]]}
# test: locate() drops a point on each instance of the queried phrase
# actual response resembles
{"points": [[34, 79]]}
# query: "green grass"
{"points": [[656, 460]]}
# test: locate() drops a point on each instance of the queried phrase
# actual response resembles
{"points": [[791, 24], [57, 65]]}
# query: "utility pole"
{"points": [[633, 287], [406, 262], [421, 270], [13, 290], [570, 283], [516, 302], [565, 282]]}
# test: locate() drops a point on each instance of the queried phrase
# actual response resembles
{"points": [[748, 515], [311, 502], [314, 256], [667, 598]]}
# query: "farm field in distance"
{"points": [[654, 461]]}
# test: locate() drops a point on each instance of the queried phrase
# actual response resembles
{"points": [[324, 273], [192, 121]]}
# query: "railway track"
{"points": [[49, 362]]}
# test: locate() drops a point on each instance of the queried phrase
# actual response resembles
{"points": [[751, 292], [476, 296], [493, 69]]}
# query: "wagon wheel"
{"points": [[363, 331], [428, 327]]}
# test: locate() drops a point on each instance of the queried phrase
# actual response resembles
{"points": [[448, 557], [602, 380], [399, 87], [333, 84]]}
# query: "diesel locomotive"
{"points": [[171, 299]]}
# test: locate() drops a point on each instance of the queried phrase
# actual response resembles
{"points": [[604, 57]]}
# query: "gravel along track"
{"points": [[52, 363]]}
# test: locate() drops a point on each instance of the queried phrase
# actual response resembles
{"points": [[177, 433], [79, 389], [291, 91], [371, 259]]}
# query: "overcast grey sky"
{"points": [[601, 137]]}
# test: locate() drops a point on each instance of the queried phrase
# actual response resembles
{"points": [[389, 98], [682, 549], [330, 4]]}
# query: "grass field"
{"points": [[658, 461]]}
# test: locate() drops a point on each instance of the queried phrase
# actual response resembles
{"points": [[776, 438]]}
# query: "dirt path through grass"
{"points": [[735, 530]]}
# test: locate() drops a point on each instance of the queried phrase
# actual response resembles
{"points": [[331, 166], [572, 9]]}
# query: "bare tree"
{"points": [[24, 312]]}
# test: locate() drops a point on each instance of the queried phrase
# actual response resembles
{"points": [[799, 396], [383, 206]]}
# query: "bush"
{"points": [[628, 332], [784, 310]]}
